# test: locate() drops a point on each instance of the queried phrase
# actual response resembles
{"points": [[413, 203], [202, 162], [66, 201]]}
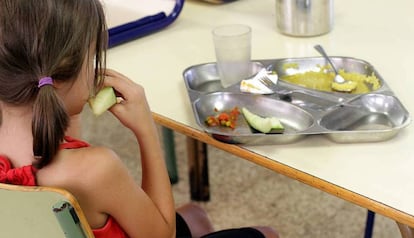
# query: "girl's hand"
{"points": [[132, 110]]}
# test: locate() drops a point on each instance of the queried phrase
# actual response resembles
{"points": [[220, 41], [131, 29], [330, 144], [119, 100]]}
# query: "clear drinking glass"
{"points": [[232, 45]]}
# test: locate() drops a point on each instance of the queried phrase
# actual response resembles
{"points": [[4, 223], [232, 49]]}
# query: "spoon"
{"points": [[339, 83]]}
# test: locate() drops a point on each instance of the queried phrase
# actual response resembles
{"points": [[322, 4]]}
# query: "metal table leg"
{"points": [[169, 153], [369, 225]]}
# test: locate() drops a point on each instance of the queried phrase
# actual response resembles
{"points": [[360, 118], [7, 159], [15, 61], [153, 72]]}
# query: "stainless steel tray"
{"points": [[342, 117]]}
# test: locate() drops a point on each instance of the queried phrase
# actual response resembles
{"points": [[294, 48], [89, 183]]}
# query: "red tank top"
{"points": [[26, 175]]}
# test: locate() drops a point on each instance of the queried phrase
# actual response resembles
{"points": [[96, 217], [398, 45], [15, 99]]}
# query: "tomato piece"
{"points": [[223, 116], [225, 119], [235, 111]]}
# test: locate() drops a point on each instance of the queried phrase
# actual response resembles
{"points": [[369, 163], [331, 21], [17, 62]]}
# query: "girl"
{"points": [[52, 55]]}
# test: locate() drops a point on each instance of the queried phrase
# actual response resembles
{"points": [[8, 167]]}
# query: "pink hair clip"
{"points": [[45, 81]]}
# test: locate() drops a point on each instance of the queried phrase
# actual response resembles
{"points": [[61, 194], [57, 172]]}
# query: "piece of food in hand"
{"points": [[262, 124], [102, 101]]}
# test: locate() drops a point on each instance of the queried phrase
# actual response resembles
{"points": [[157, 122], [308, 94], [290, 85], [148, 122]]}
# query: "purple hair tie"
{"points": [[45, 81]]}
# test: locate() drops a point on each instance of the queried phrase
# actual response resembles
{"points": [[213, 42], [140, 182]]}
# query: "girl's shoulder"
{"points": [[74, 165]]}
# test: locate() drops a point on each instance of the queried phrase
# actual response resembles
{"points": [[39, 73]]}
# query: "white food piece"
{"points": [[103, 100], [254, 86]]}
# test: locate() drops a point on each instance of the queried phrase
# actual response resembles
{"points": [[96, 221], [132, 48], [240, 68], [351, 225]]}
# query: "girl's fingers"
{"points": [[119, 82], [124, 87]]}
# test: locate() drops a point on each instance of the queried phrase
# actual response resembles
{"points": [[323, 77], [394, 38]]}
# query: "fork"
{"points": [[272, 86], [268, 83], [287, 93]]}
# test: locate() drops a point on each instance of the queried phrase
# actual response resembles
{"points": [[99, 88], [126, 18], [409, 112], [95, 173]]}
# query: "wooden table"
{"points": [[377, 176]]}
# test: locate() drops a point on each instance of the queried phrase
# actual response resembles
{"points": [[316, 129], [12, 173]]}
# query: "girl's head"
{"points": [[49, 38]]}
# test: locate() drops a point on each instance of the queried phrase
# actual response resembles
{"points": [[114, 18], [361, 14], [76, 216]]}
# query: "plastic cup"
{"points": [[232, 45]]}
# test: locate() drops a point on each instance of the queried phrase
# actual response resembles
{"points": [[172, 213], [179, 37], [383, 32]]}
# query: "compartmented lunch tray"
{"points": [[374, 116]]}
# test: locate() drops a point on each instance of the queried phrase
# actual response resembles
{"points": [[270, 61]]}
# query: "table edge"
{"points": [[288, 171]]}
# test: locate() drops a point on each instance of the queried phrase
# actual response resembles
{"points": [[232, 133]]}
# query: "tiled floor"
{"points": [[244, 194]]}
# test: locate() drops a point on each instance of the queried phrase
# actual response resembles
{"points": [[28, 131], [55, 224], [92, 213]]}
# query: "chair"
{"points": [[406, 231], [40, 212]]}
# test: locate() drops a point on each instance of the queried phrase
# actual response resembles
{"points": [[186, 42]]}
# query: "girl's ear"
{"points": [[62, 86], [58, 84]]}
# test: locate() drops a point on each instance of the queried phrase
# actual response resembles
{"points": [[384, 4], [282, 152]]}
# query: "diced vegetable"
{"points": [[224, 119]]}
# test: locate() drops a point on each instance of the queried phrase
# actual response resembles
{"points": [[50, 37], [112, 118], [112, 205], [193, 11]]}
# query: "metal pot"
{"points": [[304, 17]]}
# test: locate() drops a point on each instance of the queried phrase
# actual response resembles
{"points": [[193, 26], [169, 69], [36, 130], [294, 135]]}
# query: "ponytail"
{"points": [[50, 121]]}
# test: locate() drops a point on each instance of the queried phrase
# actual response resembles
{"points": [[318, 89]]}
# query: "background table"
{"points": [[377, 176]]}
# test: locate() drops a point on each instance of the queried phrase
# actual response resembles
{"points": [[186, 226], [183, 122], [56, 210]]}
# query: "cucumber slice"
{"points": [[262, 124], [103, 100], [276, 124]]}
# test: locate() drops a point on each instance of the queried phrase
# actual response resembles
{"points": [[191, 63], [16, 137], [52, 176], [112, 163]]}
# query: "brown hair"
{"points": [[47, 38]]}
